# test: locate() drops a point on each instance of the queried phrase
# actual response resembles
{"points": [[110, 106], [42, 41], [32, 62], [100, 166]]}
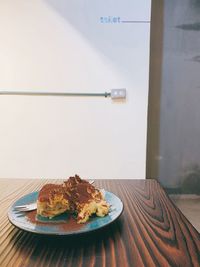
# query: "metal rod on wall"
{"points": [[53, 93], [118, 93]]}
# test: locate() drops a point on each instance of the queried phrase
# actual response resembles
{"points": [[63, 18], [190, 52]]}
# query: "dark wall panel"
{"points": [[177, 157]]}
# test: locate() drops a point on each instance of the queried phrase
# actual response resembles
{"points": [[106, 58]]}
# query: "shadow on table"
{"points": [[81, 240], [68, 250], [87, 242]]}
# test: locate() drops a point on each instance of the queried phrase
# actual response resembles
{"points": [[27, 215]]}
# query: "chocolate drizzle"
{"points": [[75, 190], [80, 192], [49, 191]]}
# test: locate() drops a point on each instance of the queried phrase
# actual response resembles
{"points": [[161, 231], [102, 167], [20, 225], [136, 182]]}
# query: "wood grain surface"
{"points": [[150, 232]]}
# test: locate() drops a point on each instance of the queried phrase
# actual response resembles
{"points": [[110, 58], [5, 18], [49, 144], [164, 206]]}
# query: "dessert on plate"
{"points": [[52, 200], [76, 196], [85, 199]]}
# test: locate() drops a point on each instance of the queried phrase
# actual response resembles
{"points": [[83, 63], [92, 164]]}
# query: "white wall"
{"points": [[62, 46]]}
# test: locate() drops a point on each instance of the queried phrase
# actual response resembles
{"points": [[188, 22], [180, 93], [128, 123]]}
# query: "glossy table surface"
{"points": [[150, 232]]}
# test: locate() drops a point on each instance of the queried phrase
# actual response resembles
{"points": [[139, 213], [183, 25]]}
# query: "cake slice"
{"points": [[52, 200], [85, 200], [76, 196]]}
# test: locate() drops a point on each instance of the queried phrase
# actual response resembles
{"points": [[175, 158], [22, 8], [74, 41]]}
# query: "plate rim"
{"points": [[72, 233]]}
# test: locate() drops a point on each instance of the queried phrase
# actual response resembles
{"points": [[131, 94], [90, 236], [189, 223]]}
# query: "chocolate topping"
{"points": [[75, 190], [49, 191], [80, 191], [73, 181]]}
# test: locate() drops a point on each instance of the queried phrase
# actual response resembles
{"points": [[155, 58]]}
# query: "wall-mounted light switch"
{"points": [[118, 93]]}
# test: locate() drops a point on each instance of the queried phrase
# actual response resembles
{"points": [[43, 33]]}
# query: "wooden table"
{"points": [[150, 232]]}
